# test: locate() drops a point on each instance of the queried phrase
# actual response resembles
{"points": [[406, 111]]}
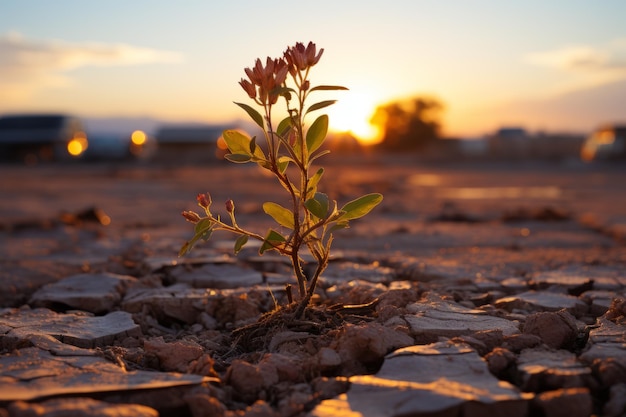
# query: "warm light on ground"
{"points": [[352, 114]]}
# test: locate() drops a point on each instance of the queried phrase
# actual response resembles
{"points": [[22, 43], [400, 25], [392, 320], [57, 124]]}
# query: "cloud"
{"points": [[27, 65], [584, 66], [572, 58], [577, 111]]}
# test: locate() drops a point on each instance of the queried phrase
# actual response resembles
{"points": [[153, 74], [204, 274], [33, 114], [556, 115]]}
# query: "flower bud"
{"points": [[248, 87], [191, 216], [230, 206], [204, 200]]}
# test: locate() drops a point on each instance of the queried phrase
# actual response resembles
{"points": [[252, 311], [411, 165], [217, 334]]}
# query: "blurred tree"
{"points": [[412, 124]]}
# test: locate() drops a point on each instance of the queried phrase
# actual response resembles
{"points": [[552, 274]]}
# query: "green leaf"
{"points": [[283, 163], [322, 153], [361, 206], [202, 230], [185, 249], [237, 142], [238, 158], [338, 226], [242, 147], [320, 105], [273, 241], [317, 133], [240, 242], [314, 208], [297, 149], [280, 214], [284, 126], [313, 181], [253, 145], [328, 87], [255, 115], [318, 205], [203, 226]]}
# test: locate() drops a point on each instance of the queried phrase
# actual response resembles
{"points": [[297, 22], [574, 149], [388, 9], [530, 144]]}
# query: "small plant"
{"points": [[288, 152]]}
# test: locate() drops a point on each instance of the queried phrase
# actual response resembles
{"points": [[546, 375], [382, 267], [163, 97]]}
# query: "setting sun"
{"points": [[352, 114]]}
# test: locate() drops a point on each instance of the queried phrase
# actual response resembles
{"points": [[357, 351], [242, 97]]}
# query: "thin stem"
{"points": [[238, 230]]}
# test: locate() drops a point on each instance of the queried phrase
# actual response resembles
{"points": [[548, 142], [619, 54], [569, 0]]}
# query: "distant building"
{"points": [[33, 138], [189, 143], [556, 146], [515, 143], [509, 143]]}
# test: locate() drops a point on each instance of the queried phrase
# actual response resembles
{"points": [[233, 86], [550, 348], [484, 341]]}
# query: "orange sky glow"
{"points": [[554, 67]]}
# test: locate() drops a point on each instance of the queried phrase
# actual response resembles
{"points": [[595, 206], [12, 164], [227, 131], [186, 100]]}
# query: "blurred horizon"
{"points": [[543, 67]]}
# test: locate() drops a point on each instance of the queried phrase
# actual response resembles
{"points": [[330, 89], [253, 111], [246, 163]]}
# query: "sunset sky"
{"points": [[555, 66]]}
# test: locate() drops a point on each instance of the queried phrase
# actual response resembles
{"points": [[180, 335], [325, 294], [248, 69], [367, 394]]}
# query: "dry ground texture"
{"points": [[472, 289]]}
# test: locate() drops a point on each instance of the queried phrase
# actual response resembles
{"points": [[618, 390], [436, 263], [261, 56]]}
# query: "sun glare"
{"points": [[352, 114], [138, 137]]}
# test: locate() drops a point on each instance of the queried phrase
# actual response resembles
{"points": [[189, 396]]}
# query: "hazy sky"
{"points": [[555, 65]]}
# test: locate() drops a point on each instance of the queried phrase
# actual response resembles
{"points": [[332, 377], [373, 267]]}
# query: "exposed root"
{"points": [[315, 320]]}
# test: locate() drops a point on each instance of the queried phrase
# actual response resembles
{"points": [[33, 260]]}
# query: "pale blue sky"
{"points": [[491, 62]]}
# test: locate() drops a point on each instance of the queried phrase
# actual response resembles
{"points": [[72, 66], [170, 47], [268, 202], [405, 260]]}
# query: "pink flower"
{"points": [[299, 57], [267, 79], [248, 87]]}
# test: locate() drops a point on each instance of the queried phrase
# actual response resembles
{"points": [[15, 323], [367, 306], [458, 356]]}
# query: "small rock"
{"points": [[237, 309], [484, 341], [518, 342], [260, 409], [534, 301], [398, 298], [437, 318], [608, 360], [328, 359], [566, 402], [557, 330], [207, 321], [363, 346], [599, 301], [96, 293], [617, 310], [569, 280], [327, 388], [606, 331], [338, 272], [606, 354], [438, 379], [79, 407], [36, 374], [616, 406], [499, 360], [219, 276], [178, 301], [72, 328], [543, 369], [414, 269], [277, 367], [246, 379], [355, 292], [295, 400], [203, 405], [176, 356]]}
